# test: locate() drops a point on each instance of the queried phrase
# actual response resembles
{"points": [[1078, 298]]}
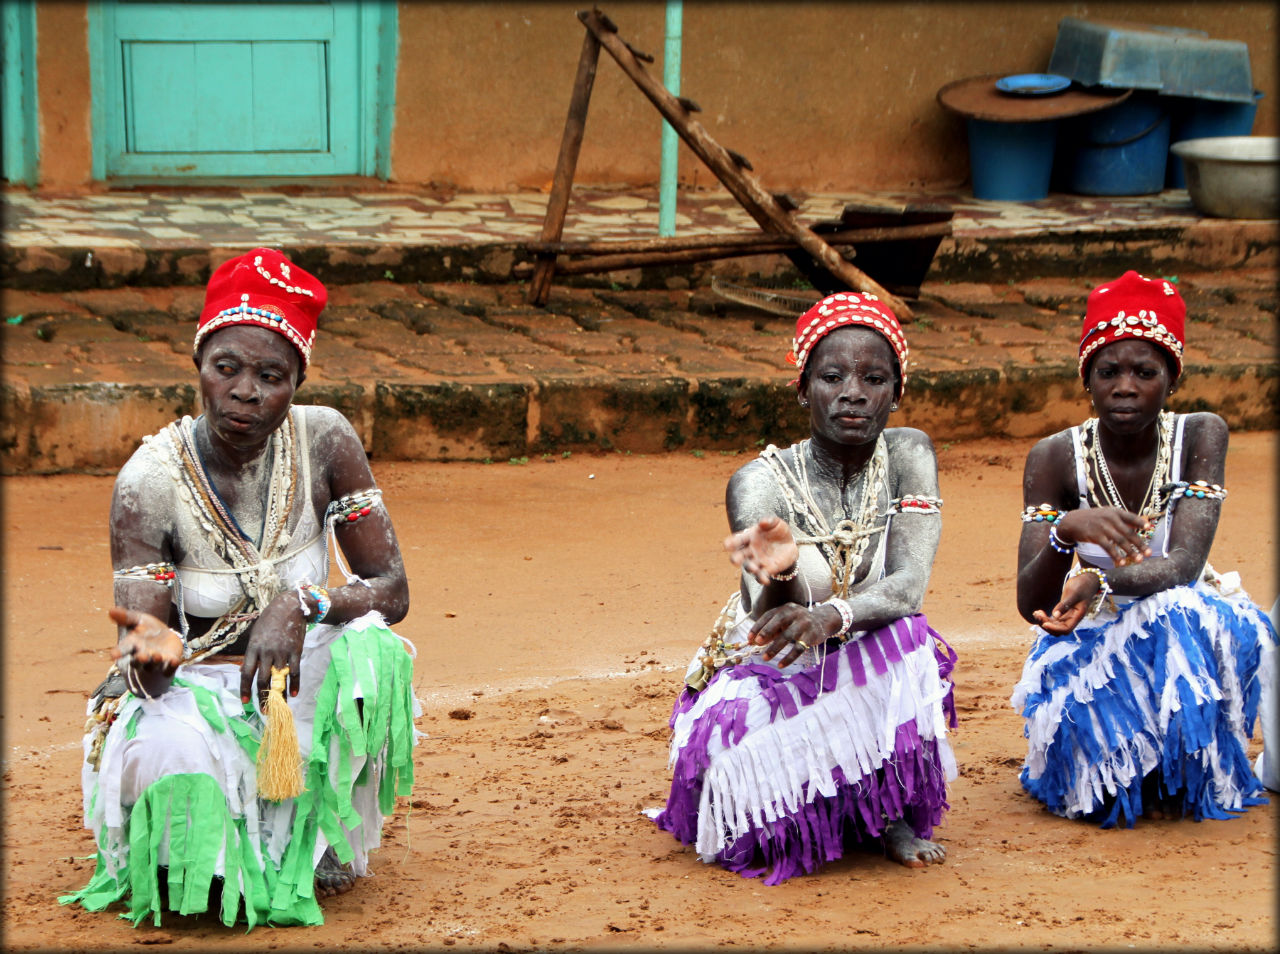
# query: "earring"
{"points": [[893, 406], [804, 403]]}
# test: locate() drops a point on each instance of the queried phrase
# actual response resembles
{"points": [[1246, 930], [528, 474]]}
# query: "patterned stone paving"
{"points": [[239, 218]]}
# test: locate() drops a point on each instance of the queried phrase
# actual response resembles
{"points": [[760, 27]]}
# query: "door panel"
{"points": [[220, 97], [234, 89]]}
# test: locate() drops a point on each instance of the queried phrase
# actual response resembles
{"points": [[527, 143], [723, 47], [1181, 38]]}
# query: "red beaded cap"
{"points": [[1134, 306], [848, 308], [264, 288]]}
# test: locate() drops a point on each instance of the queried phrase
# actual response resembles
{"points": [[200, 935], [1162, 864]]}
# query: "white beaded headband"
{"points": [[267, 316], [851, 310], [1145, 324]]}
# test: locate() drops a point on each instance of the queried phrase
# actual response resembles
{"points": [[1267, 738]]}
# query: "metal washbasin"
{"points": [[1232, 177]]}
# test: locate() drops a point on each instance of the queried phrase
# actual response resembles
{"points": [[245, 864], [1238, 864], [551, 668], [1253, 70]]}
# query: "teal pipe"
{"points": [[668, 176]]}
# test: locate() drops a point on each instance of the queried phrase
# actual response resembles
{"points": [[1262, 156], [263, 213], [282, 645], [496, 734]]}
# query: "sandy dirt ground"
{"points": [[555, 605]]}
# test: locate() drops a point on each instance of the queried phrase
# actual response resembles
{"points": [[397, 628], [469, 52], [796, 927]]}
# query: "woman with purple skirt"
{"points": [[815, 715]]}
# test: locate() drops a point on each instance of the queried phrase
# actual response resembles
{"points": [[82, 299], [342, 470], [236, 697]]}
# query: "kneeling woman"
{"points": [[220, 529], [1142, 683], [815, 715]]}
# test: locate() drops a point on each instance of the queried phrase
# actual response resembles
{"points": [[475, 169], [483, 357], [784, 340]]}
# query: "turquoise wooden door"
{"points": [[198, 89]]}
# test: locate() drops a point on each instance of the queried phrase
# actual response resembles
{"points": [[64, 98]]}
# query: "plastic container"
{"points": [[1205, 119], [1011, 161], [1169, 60], [1119, 151]]}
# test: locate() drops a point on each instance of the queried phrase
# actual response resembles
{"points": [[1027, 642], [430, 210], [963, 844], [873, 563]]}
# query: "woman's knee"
{"points": [[162, 748]]}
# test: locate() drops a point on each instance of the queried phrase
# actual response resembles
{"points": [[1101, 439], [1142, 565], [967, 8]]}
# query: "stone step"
{"points": [[459, 371]]}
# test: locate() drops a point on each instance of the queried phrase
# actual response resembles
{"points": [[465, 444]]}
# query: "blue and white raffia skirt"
{"points": [[1166, 684], [772, 769]]}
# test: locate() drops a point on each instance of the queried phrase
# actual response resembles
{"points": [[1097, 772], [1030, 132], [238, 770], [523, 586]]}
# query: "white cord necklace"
{"points": [[1150, 504], [845, 544]]}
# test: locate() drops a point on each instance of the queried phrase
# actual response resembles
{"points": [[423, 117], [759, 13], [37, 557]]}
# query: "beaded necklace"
{"points": [[842, 545], [253, 565], [1101, 486]]}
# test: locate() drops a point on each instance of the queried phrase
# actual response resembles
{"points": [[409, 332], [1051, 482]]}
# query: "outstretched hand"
{"points": [[1077, 593], [147, 643], [763, 549]]}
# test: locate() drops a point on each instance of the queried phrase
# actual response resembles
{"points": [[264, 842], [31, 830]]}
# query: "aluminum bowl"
{"points": [[1232, 177]]}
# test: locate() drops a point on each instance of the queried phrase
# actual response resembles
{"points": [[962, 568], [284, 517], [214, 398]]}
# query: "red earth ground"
{"points": [[555, 605]]}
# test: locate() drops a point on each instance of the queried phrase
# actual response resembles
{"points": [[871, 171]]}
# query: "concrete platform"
{"points": [[428, 347]]}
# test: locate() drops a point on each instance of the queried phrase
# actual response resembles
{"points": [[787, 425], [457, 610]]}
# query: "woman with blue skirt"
{"points": [[1143, 682]]}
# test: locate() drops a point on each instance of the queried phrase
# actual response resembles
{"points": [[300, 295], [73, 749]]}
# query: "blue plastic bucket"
{"points": [[1203, 119], [1011, 161], [1121, 150]]}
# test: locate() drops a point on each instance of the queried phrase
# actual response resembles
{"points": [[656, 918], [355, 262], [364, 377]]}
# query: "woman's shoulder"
{"points": [[1204, 436], [756, 470], [1054, 449], [320, 418], [334, 449], [326, 427], [905, 438], [149, 476], [758, 475], [1204, 424]]}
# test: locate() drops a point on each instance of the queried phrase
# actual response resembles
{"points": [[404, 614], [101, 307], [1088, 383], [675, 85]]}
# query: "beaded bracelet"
{"points": [[1201, 489], [846, 617], [788, 575], [353, 506], [1104, 588], [916, 503], [1058, 543], [320, 595], [1041, 514], [162, 573]]}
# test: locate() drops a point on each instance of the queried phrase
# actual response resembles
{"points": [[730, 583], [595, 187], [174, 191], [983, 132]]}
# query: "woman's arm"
{"points": [[140, 529], [368, 545], [760, 541], [1047, 477], [1196, 519]]}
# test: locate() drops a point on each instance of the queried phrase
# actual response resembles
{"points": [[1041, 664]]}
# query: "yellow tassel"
{"points": [[279, 761]]}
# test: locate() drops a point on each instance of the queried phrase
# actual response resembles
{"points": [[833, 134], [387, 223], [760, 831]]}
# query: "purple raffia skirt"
{"points": [[775, 770]]}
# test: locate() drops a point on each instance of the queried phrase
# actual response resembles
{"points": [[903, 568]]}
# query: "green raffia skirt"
{"points": [[173, 798]]}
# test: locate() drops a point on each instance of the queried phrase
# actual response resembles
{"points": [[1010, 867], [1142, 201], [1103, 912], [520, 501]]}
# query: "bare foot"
{"points": [[902, 845], [332, 877], [1161, 809], [1156, 805]]}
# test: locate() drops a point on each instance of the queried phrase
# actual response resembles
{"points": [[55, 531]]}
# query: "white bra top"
{"points": [[209, 588], [1091, 552]]}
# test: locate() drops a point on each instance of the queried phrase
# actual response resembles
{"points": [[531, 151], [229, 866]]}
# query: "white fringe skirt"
{"points": [[774, 769]]}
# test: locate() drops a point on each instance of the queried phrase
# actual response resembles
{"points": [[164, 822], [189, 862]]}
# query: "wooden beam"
{"points": [[616, 256], [566, 165], [753, 197], [749, 242]]}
